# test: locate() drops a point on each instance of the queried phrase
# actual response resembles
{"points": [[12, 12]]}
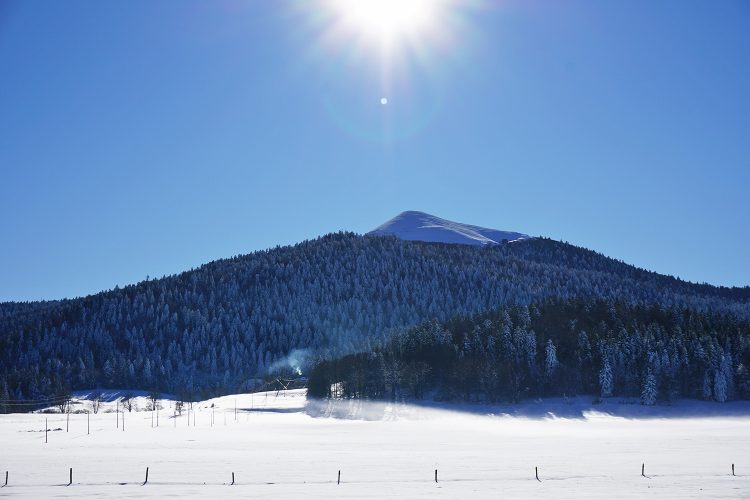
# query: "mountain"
{"points": [[420, 226], [214, 329]]}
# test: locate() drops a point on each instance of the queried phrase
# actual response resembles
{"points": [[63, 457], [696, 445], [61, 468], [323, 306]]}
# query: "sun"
{"points": [[395, 52], [386, 20]]}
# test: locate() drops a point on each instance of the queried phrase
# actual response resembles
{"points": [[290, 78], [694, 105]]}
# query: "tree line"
{"points": [[555, 348]]}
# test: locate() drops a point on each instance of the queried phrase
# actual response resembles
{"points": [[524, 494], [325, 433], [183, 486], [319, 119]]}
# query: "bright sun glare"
{"points": [[386, 20], [402, 40]]}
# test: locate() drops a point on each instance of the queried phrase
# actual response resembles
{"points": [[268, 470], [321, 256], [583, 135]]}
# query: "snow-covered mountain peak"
{"points": [[420, 226]]}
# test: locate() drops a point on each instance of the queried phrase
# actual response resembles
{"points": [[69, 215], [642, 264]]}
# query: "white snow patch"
{"points": [[420, 226]]}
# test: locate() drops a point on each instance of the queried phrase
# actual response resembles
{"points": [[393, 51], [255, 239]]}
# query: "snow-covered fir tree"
{"points": [[649, 392], [707, 392], [720, 387], [4, 397], [550, 358], [606, 380]]}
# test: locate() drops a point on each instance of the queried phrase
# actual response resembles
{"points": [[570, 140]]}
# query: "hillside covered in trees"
{"points": [[557, 348], [213, 329]]}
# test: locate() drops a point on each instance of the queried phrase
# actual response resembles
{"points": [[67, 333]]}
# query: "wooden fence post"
{"points": [[71, 476], [88, 423], [146, 481], [643, 470], [117, 412], [232, 479], [6, 479], [536, 473], [46, 428], [733, 469], [436, 476], [339, 479]]}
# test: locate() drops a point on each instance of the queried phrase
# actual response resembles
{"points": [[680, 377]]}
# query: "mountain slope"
{"points": [[210, 330], [420, 226]]}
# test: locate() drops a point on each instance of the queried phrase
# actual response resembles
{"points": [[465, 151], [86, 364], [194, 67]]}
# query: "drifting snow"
{"points": [[281, 445], [420, 226]]}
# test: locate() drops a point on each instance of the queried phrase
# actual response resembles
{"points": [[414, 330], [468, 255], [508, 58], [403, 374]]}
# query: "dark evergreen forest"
{"points": [[216, 328], [557, 348]]}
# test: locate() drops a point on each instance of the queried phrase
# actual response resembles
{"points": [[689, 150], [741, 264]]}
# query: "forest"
{"points": [[556, 348], [218, 328]]}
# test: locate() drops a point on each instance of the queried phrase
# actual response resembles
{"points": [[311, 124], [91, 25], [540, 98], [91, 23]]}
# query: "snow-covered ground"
{"points": [[282, 446]]}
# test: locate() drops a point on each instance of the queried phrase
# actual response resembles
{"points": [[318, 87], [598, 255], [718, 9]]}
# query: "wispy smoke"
{"points": [[295, 360]]}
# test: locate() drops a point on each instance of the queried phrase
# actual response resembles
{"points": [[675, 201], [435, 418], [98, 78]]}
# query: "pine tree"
{"points": [[147, 376], [584, 347], [728, 371], [649, 390], [707, 392], [720, 387], [550, 359], [606, 379], [108, 371], [529, 340], [4, 396]]}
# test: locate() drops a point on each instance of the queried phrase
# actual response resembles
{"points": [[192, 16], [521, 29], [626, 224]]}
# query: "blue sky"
{"points": [[145, 138]]}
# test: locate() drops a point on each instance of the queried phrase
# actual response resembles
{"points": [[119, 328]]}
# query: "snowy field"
{"points": [[281, 446]]}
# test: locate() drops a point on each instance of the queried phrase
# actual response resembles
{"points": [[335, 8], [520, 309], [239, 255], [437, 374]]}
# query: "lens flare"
{"points": [[397, 53]]}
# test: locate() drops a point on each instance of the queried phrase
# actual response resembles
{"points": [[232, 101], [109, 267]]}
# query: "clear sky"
{"points": [[148, 137]]}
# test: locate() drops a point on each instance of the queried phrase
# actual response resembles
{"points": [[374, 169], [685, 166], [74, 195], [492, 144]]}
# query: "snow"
{"points": [[420, 226], [281, 445]]}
